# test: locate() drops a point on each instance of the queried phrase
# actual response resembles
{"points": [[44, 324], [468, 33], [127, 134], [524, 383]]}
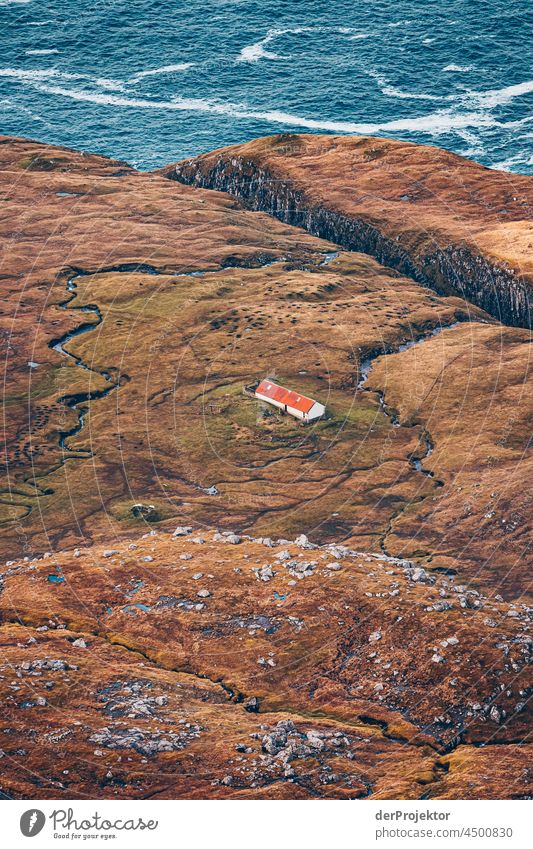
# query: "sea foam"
{"points": [[501, 96], [256, 51], [458, 68], [165, 69], [36, 74], [391, 91], [436, 123]]}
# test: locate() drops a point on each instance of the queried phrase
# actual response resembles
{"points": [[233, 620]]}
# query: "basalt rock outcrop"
{"points": [[384, 651], [441, 219]]}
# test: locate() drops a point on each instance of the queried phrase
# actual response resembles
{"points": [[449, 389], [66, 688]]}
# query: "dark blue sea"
{"points": [[152, 81]]}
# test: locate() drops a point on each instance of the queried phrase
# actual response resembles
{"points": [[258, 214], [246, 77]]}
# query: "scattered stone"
{"points": [[266, 661], [285, 743], [301, 568], [145, 742], [419, 575], [54, 665], [440, 606], [469, 603], [338, 551], [233, 539], [303, 542], [252, 704], [182, 531], [496, 714], [265, 573]]}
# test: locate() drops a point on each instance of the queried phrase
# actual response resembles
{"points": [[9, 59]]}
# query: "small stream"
{"points": [[366, 365], [364, 371], [78, 401]]}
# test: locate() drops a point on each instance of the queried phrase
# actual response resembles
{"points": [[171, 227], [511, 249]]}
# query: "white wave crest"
{"points": [[391, 90], [436, 123], [42, 52], [444, 120], [256, 51], [458, 68], [500, 96], [165, 69], [478, 99], [14, 2], [37, 74], [513, 163]]}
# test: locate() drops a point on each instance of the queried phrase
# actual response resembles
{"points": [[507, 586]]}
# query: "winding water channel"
{"points": [[78, 401], [364, 371]]}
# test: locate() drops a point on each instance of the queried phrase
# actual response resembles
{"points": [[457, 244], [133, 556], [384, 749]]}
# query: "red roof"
{"points": [[284, 396]]}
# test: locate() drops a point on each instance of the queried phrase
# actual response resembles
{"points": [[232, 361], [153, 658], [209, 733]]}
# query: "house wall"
{"points": [[296, 413], [316, 411]]}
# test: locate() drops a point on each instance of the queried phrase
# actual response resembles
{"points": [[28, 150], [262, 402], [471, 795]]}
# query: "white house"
{"points": [[291, 402]]}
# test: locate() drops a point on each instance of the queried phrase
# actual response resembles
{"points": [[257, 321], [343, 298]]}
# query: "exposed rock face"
{"points": [[344, 683], [443, 220], [135, 311]]}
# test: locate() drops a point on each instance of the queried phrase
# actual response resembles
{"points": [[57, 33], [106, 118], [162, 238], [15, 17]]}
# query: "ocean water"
{"points": [[153, 81]]}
